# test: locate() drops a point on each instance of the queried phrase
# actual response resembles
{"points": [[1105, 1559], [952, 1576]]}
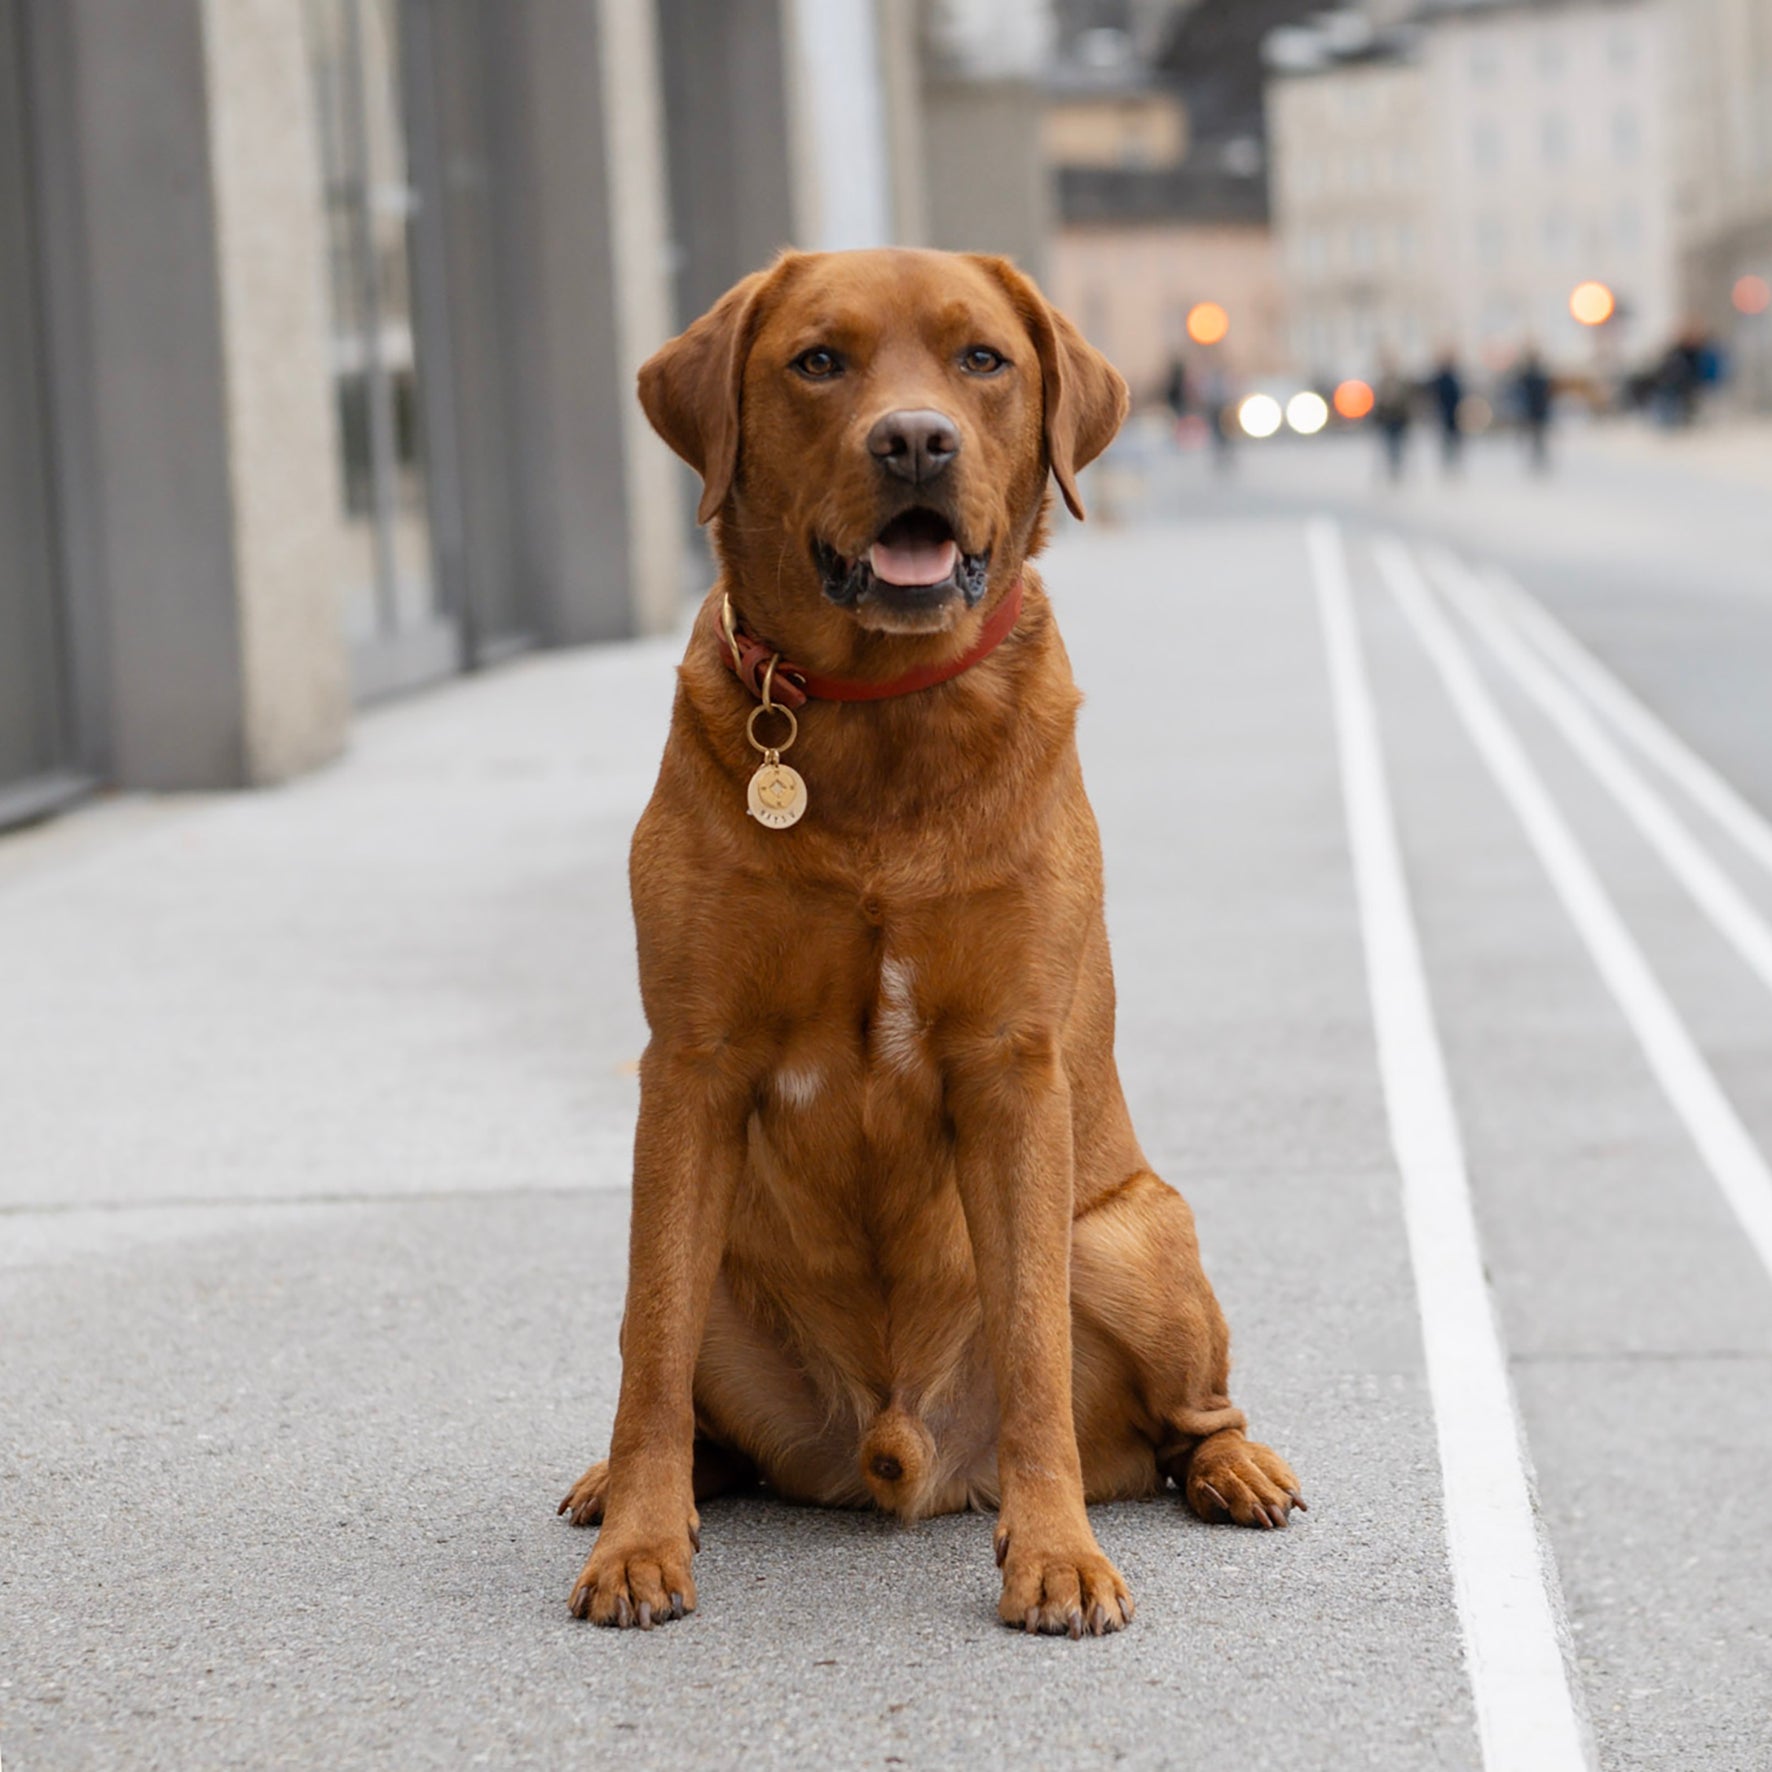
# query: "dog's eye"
{"points": [[819, 364], [981, 360]]}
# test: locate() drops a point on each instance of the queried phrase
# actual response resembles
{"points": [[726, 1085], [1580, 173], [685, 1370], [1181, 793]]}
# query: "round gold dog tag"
{"points": [[777, 795]]}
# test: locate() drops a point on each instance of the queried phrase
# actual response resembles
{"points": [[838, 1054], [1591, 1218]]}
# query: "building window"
{"points": [[1484, 63], [1559, 232], [1627, 227], [1362, 247], [1621, 47], [1553, 139], [1553, 58], [1405, 243], [1627, 135], [1491, 237], [1356, 101], [1500, 316], [1486, 144]]}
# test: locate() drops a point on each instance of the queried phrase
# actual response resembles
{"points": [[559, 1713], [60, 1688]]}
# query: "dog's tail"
{"points": [[898, 1461]]}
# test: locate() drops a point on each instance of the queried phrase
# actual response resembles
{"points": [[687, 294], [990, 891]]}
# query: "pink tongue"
{"points": [[913, 562]]}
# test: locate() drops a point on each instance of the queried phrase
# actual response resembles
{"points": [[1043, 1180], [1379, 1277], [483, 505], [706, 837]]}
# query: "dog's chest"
{"points": [[868, 1025], [853, 1102]]}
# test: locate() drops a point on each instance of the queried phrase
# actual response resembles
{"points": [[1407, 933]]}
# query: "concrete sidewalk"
{"points": [[314, 1121]]}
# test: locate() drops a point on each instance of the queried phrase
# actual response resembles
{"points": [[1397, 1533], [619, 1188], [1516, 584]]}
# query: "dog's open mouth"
{"points": [[916, 559]]}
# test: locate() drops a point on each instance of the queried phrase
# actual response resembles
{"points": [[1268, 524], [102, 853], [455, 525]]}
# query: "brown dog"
{"points": [[893, 1237]]}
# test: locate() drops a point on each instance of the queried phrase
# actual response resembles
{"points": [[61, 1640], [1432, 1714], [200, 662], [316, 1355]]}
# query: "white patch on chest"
{"points": [[798, 1088], [898, 1028]]}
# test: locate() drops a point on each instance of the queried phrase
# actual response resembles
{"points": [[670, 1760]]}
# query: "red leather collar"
{"points": [[793, 685]]}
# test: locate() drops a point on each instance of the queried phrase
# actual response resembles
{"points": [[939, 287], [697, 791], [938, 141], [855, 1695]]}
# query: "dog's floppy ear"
{"points": [[1086, 396], [690, 388]]}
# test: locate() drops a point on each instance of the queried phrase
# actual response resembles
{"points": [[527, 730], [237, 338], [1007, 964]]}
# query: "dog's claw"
{"points": [[1098, 1621], [695, 1536], [1218, 1498], [1298, 1501], [1073, 1624], [624, 1613], [646, 1615], [1031, 1624], [676, 1605], [1002, 1549]]}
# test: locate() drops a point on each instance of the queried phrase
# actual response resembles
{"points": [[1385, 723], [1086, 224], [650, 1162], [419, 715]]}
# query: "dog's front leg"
{"points": [[688, 1153], [1012, 1117]]}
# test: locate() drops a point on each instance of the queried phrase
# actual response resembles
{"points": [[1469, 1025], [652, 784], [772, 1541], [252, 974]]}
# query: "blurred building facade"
{"points": [[1354, 204], [1158, 171], [319, 321], [1723, 74], [1444, 184]]}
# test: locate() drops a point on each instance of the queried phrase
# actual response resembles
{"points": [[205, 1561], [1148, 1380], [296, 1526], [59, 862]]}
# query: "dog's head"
{"points": [[874, 430]]}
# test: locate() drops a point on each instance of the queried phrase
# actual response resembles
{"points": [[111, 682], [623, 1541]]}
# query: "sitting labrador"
{"points": [[894, 1241]]}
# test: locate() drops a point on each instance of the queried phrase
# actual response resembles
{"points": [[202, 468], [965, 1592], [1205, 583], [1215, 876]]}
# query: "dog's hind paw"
{"points": [[1230, 1478], [583, 1505]]}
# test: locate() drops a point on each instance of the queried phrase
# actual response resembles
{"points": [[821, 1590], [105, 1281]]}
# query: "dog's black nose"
{"points": [[916, 446]]}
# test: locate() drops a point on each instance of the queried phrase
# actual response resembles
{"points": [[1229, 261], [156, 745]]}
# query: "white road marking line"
{"points": [[1686, 1078], [1736, 919], [1633, 721], [1508, 1605]]}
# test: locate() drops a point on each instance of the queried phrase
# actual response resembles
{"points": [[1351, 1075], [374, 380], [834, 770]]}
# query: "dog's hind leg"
{"points": [[1152, 1365], [718, 1470]]}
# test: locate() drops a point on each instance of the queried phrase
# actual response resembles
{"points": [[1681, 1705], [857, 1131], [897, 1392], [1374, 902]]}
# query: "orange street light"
{"points": [[1207, 323], [1593, 304], [1753, 295], [1354, 400]]}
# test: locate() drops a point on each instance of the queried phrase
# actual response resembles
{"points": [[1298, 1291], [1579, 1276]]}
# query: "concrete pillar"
{"points": [[730, 114], [191, 431], [837, 78], [270, 250], [639, 229], [579, 162], [901, 76]]}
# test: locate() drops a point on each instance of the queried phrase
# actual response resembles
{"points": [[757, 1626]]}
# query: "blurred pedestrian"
{"points": [[1176, 394], [1447, 388], [1218, 401], [1680, 379], [1533, 390], [1393, 407]]}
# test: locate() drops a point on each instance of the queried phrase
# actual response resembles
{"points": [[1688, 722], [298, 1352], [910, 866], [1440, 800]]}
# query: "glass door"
{"points": [[404, 629], [458, 129], [33, 724]]}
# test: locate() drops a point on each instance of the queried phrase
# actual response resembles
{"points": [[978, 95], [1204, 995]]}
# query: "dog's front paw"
{"points": [[1062, 1592], [1230, 1478], [637, 1578]]}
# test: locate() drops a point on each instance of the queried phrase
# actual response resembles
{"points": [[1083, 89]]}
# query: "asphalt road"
{"points": [[314, 1114]]}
